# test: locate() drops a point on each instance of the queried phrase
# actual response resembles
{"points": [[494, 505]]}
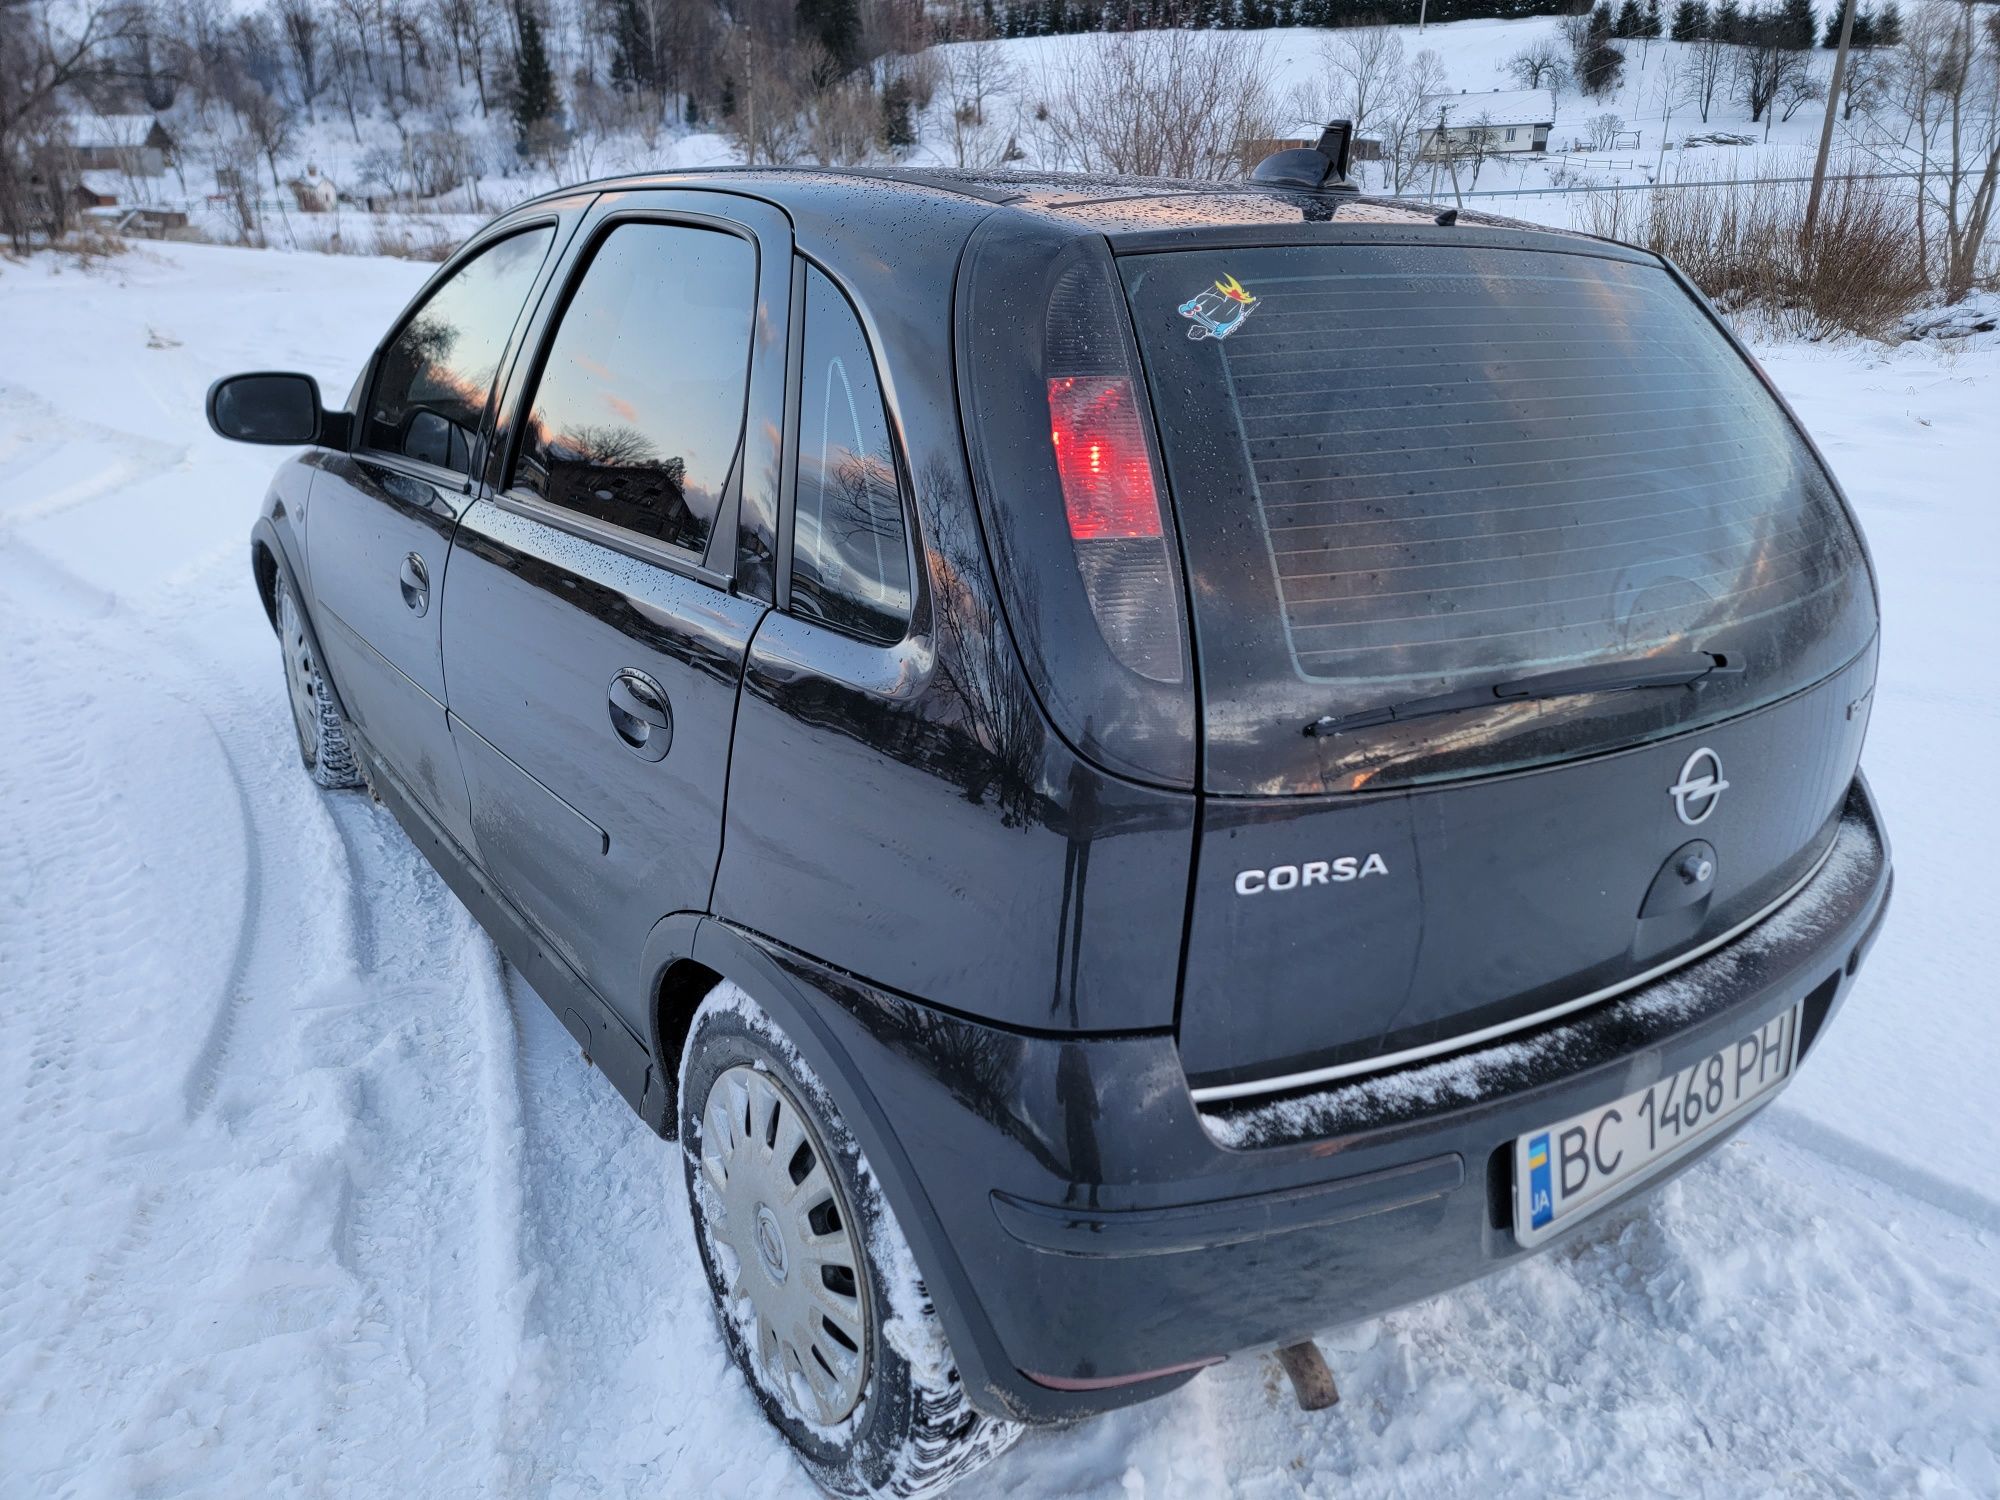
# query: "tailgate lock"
{"points": [[1686, 878]]}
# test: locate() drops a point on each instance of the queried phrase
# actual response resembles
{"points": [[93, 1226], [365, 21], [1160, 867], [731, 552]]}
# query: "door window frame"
{"points": [[561, 219], [769, 236]]}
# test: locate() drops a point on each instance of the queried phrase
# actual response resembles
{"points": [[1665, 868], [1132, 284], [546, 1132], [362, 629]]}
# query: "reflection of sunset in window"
{"points": [[637, 412], [429, 400]]}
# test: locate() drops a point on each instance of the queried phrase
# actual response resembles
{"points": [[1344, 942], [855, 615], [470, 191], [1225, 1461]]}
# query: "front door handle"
{"points": [[640, 715], [415, 581]]}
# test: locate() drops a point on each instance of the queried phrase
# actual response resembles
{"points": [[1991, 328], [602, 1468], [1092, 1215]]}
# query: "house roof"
{"points": [[104, 184], [83, 128], [1500, 107]]}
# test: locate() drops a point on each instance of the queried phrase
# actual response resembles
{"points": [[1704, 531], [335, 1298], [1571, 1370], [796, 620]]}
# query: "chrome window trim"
{"points": [[1216, 1093]]}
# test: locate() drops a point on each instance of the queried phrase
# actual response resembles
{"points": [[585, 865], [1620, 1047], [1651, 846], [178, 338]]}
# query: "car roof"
{"points": [[1116, 206]]}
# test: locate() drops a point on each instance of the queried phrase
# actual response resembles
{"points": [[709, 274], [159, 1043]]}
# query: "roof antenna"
{"points": [[1317, 168]]}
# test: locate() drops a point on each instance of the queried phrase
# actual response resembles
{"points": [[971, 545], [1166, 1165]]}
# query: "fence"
{"points": [[1647, 187]]}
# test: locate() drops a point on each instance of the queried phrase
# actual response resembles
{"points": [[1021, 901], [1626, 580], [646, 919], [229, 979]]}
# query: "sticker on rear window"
{"points": [[1219, 312]]}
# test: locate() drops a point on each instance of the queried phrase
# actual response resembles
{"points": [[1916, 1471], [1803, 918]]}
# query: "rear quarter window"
{"points": [[850, 542]]}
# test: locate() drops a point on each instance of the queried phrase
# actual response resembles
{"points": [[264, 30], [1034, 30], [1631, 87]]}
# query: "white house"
{"points": [[1501, 121]]}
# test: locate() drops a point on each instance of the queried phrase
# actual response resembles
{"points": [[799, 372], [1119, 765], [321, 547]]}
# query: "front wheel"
{"points": [[323, 746], [816, 1292]]}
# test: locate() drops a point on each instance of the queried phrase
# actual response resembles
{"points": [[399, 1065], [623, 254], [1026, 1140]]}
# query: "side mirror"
{"points": [[269, 407]]}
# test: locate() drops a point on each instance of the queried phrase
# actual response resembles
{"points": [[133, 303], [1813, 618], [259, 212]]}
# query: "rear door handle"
{"points": [[415, 580], [640, 715]]}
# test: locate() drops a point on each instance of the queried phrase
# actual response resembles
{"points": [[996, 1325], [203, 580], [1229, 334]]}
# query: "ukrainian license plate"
{"points": [[1578, 1165]]}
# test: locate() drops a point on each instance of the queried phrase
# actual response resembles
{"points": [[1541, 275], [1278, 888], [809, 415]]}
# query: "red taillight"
{"points": [[1111, 487], [1101, 456]]}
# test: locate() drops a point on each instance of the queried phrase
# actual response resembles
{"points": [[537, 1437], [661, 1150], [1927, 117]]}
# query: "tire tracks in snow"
{"points": [[1898, 1175], [508, 1283], [199, 1084]]}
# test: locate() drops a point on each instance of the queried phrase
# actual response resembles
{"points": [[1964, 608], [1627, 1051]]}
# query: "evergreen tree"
{"points": [[898, 128], [1599, 64], [1796, 24], [1729, 20], [633, 62], [1653, 27], [1864, 35], [1629, 21], [1887, 28], [534, 101], [836, 26], [1690, 21]]}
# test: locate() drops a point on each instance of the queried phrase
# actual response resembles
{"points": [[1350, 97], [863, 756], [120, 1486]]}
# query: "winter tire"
{"points": [[323, 746], [816, 1293]]}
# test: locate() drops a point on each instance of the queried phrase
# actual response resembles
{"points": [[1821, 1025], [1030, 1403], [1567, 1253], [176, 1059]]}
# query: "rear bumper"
{"points": [[1084, 1222]]}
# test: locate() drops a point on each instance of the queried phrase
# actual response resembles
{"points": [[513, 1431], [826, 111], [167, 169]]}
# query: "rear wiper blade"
{"points": [[1684, 669]]}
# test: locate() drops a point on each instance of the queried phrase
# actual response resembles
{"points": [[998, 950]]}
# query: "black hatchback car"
{"points": [[1134, 768]]}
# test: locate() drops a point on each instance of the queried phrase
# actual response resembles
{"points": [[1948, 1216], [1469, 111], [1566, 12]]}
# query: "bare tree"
{"points": [[1797, 89], [771, 88], [1544, 65], [270, 126], [41, 58], [1862, 84], [1363, 60], [840, 117], [1709, 62], [1768, 67], [1951, 81], [1160, 103], [299, 24], [1405, 116], [1667, 86], [972, 74]]}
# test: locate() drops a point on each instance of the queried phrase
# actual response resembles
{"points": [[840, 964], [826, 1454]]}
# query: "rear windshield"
{"points": [[1408, 471]]}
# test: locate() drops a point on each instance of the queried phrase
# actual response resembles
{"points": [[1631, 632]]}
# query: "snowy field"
{"points": [[303, 1193]]}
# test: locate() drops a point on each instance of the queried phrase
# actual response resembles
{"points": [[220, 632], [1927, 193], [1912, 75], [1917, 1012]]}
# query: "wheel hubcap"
{"points": [[301, 677], [793, 1256]]}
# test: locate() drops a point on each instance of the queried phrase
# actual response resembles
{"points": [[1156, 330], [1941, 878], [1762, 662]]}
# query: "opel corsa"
{"points": [[1134, 769]]}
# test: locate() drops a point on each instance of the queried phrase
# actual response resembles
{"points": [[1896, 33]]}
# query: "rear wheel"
{"points": [[816, 1292], [316, 717]]}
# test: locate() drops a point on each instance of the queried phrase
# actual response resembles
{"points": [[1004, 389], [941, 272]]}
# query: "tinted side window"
{"points": [[638, 411], [430, 393], [850, 556]]}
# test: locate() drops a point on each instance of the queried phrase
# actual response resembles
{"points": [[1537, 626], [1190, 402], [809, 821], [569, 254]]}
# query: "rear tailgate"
{"points": [[1406, 471]]}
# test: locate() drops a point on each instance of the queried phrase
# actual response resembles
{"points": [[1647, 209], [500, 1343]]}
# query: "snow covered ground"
{"points": [[303, 1193]]}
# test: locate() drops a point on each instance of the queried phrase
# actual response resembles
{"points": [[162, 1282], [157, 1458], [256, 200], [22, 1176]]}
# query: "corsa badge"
{"points": [[1217, 314]]}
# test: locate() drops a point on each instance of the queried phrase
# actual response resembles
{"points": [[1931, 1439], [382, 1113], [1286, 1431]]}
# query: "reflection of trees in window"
{"points": [[616, 474], [430, 394], [608, 447], [850, 565], [424, 347]]}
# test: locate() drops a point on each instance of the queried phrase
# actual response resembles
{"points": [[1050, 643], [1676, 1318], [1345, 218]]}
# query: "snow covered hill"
{"points": [[1662, 136], [303, 1193]]}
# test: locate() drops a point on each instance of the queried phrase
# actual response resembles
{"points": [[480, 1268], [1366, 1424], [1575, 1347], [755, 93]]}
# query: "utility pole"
{"points": [[1422, 7], [1826, 130]]}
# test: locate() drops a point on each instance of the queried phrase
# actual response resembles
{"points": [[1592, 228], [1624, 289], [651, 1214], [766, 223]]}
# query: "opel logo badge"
{"points": [[1701, 786]]}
